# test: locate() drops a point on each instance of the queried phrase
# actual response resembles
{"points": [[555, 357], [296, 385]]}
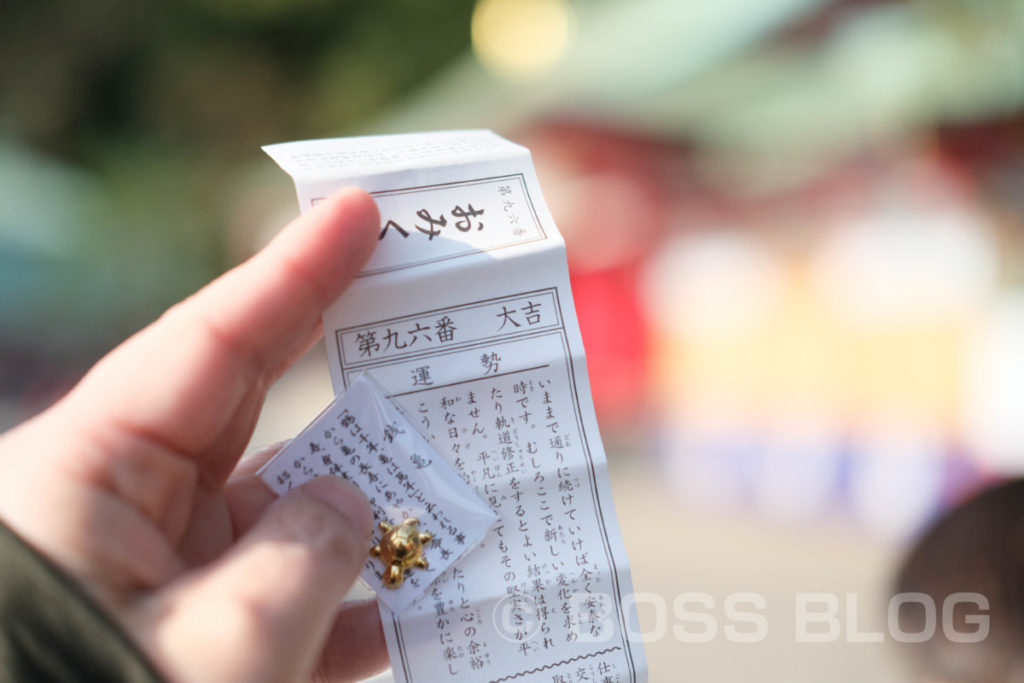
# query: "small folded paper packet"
{"points": [[363, 437]]}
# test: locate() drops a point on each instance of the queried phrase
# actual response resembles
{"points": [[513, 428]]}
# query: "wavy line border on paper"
{"points": [[551, 666]]}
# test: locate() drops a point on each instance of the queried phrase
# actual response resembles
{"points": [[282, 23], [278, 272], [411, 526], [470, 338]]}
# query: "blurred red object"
{"points": [[605, 189], [616, 337]]}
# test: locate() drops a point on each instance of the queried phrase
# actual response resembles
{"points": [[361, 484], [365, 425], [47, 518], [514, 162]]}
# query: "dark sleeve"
{"points": [[51, 631]]}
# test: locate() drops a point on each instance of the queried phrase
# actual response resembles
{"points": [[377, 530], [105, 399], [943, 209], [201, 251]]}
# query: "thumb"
{"points": [[263, 610]]}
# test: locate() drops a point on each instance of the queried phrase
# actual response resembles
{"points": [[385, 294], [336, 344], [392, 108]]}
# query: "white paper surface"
{"points": [[362, 437], [465, 316]]}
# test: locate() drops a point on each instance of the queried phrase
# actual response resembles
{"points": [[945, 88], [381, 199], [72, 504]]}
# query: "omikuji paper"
{"points": [[362, 437], [464, 316]]}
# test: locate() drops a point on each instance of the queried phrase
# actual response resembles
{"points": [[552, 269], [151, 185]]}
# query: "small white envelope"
{"points": [[363, 437]]}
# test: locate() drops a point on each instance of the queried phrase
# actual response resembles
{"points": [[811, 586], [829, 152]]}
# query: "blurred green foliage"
{"points": [[141, 122], [211, 75]]}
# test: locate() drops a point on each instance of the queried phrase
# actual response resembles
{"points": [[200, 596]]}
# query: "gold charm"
{"points": [[401, 548]]}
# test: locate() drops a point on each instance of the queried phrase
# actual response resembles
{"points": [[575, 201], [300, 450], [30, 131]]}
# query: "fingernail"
{"points": [[256, 450], [344, 497]]}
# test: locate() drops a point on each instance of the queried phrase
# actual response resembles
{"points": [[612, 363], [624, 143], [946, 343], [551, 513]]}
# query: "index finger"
{"points": [[181, 381]]}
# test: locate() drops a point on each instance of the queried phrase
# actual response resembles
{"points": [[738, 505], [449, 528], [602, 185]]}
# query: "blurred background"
{"points": [[795, 231]]}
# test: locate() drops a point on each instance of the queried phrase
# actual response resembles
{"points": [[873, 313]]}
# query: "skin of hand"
{"points": [[132, 482]]}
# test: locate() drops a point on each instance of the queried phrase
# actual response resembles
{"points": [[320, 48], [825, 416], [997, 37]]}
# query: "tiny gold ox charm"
{"points": [[401, 548]]}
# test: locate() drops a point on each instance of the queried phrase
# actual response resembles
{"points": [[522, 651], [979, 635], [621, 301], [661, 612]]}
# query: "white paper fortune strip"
{"points": [[464, 315]]}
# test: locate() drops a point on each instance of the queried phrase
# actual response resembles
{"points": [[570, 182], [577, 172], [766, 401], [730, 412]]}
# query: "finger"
{"points": [[180, 381], [269, 603], [255, 458], [153, 478], [245, 498], [248, 496], [313, 335], [355, 648], [90, 527]]}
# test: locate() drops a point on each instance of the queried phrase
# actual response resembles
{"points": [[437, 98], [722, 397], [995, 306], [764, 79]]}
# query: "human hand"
{"points": [[130, 483]]}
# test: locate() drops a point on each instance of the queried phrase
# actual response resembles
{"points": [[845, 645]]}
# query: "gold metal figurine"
{"points": [[401, 548]]}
